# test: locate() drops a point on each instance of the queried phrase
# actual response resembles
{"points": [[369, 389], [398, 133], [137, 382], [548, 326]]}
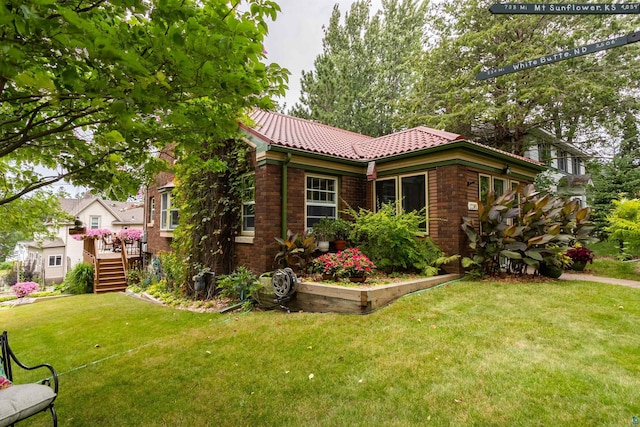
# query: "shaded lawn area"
{"points": [[562, 353]]}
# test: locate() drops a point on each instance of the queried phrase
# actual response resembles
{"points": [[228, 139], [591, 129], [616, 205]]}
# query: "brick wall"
{"points": [[156, 243], [353, 192]]}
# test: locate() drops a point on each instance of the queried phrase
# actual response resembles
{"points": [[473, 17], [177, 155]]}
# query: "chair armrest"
{"points": [[46, 381]]}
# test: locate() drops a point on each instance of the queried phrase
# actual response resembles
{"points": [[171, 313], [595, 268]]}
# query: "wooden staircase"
{"points": [[110, 275]]}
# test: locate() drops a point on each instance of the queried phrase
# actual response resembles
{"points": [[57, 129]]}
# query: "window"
{"points": [[544, 153], [499, 186], [562, 161], [485, 188], [168, 213], [385, 191], [152, 209], [575, 166], [412, 194], [95, 222], [248, 195], [321, 199], [55, 260]]}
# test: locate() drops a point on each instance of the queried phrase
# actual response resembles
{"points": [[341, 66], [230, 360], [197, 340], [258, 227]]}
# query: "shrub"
{"points": [[522, 229], [6, 265], [173, 269], [395, 242], [22, 289], [624, 224], [79, 280], [239, 285]]}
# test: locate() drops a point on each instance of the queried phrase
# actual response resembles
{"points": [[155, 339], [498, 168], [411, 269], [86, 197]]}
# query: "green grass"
{"points": [[609, 267], [470, 353]]}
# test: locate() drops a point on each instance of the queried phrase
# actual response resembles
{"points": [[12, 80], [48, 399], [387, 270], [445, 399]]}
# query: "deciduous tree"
{"points": [[88, 88]]}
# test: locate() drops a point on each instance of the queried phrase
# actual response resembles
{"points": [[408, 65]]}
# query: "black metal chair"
{"points": [[20, 401]]}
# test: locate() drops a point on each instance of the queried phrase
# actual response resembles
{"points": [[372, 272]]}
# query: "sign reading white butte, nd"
{"points": [[560, 56], [569, 9]]}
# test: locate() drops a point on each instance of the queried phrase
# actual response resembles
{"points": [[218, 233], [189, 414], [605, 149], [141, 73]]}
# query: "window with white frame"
{"points": [[248, 195], [484, 188], [94, 222], [321, 198], [55, 260], [562, 161], [575, 166], [544, 153], [168, 213]]}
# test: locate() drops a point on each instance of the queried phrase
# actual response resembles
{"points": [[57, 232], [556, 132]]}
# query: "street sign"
{"points": [[560, 56], [565, 9]]}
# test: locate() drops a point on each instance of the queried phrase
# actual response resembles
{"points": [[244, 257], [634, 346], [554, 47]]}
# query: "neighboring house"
{"points": [[93, 212], [48, 259], [565, 162], [305, 171]]}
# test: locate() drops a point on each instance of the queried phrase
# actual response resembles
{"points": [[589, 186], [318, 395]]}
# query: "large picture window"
{"points": [[409, 196], [168, 213], [248, 192], [322, 197]]}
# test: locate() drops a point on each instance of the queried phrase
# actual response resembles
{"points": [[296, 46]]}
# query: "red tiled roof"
{"points": [[405, 141], [293, 132]]}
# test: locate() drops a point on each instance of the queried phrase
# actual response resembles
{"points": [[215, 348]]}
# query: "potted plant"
{"points": [[341, 231], [554, 262], [354, 265], [580, 255], [323, 232]]}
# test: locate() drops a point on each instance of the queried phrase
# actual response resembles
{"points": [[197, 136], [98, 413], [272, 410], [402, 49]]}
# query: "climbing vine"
{"points": [[209, 193]]}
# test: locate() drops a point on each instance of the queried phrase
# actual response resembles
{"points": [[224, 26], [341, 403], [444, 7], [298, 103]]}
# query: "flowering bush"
{"points": [[353, 263], [93, 233], [130, 234], [326, 264], [22, 289], [579, 253]]}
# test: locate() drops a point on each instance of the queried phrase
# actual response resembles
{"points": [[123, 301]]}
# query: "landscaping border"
{"points": [[317, 297]]}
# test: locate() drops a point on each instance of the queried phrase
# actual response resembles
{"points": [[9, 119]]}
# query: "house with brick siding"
{"points": [[304, 171]]}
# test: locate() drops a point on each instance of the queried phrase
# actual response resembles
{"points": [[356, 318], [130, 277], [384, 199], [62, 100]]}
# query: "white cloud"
{"points": [[295, 38]]}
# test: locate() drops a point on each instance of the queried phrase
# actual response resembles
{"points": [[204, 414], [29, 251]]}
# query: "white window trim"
{"points": [[306, 201], [166, 225], [152, 210], [244, 232], [91, 218], [55, 264]]}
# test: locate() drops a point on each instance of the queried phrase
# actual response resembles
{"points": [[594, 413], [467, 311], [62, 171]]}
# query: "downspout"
{"points": [[283, 207]]}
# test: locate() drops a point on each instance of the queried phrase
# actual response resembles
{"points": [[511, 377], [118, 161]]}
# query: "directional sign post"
{"points": [[560, 56], [565, 9]]}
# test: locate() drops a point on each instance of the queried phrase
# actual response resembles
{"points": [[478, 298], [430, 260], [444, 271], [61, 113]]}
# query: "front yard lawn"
{"points": [[468, 353]]}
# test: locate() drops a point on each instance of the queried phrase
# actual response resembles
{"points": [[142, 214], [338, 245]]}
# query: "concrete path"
{"points": [[591, 278]]}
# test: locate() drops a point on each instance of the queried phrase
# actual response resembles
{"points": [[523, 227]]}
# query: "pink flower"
{"points": [[22, 289]]}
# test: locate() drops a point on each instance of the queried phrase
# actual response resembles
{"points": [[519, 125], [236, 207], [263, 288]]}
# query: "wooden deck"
{"points": [[317, 297], [110, 266]]}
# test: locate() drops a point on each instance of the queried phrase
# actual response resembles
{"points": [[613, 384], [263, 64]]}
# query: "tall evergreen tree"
{"points": [[365, 67], [574, 99]]}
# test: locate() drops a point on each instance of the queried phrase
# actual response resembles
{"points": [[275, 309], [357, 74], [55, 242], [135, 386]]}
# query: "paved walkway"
{"points": [[591, 278]]}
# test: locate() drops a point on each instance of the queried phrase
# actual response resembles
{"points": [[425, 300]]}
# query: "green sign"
{"points": [[565, 9], [560, 56]]}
